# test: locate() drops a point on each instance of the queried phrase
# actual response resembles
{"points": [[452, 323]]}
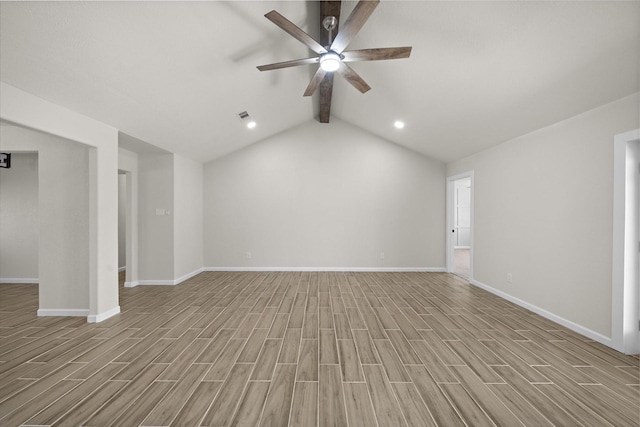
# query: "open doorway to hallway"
{"points": [[459, 225], [122, 227], [625, 309], [19, 224]]}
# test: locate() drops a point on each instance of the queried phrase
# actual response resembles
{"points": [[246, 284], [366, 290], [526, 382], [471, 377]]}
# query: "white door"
{"points": [[460, 225], [462, 213]]}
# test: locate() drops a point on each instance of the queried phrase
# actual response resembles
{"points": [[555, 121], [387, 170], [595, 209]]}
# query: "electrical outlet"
{"points": [[248, 255], [509, 278], [381, 255]]}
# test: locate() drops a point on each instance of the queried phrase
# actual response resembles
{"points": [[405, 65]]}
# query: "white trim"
{"points": [[121, 269], [156, 282], [624, 304], [548, 315], [76, 312], [97, 318], [130, 169], [336, 269], [449, 220], [26, 281], [164, 282], [188, 276]]}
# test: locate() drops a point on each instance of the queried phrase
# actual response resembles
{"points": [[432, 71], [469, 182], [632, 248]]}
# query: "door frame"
{"points": [[450, 201], [130, 169], [625, 298]]}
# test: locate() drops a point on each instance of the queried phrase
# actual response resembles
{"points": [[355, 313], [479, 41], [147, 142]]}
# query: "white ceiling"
{"points": [[175, 74]]}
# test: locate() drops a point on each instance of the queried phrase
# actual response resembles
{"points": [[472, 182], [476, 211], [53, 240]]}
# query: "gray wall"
{"points": [[63, 212], [543, 212], [170, 245], [155, 174], [320, 196], [187, 216]]}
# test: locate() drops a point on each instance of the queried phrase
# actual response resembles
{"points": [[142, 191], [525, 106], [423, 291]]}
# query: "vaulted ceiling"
{"points": [[175, 74]]}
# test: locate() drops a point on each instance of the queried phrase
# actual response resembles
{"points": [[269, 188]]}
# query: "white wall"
{"points": [[63, 207], [169, 244], [187, 216], [19, 219], [155, 175], [322, 196], [543, 212]]}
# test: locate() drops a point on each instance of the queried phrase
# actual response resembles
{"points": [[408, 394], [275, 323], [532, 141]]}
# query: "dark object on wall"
{"points": [[5, 160]]}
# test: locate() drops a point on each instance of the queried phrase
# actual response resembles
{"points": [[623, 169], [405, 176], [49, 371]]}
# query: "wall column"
{"points": [[30, 111]]}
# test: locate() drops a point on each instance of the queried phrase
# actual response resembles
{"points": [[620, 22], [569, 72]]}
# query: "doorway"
{"points": [[122, 227], [19, 223], [626, 234], [460, 225]]}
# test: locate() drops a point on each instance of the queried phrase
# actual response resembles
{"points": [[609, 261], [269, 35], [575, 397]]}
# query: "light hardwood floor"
{"points": [[307, 349]]}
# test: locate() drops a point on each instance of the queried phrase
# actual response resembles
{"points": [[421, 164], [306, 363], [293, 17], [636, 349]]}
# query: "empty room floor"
{"points": [[325, 349]]}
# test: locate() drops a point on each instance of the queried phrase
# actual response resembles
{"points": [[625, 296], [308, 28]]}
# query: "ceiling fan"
{"points": [[332, 56]]}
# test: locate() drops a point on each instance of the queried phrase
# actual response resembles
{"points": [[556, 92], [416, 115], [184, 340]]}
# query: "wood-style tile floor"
{"points": [[307, 349]]}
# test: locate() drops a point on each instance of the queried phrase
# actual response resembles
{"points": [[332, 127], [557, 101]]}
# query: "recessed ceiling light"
{"points": [[398, 124], [251, 124]]}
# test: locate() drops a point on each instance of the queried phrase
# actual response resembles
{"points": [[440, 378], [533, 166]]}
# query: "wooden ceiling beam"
{"points": [[327, 8]]}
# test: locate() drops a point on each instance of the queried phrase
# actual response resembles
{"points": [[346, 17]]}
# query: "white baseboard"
{"points": [[120, 269], [164, 282], [26, 281], [337, 269], [78, 312], [155, 282], [188, 275], [96, 318], [548, 315]]}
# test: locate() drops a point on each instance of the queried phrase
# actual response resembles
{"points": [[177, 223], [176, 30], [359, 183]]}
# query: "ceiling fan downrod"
{"points": [[329, 23]]}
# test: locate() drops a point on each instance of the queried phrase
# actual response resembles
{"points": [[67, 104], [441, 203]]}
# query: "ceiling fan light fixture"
{"points": [[330, 61]]}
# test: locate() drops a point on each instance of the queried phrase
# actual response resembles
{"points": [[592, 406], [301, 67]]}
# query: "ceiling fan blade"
{"points": [[377, 54], [315, 81], [353, 24], [295, 31], [286, 64], [354, 78]]}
